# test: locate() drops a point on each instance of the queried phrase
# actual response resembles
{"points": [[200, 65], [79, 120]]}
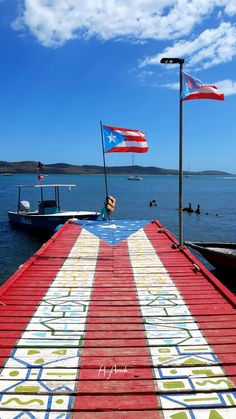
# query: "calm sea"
{"points": [[216, 196]]}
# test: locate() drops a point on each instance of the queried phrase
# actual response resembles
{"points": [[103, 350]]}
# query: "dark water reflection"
{"points": [[227, 278], [16, 247]]}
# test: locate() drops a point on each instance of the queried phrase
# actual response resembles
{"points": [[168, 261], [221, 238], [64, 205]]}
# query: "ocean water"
{"points": [[216, 196]]}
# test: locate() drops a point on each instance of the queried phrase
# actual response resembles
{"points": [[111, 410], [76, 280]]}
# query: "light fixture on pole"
{"points": [[179, 61]]}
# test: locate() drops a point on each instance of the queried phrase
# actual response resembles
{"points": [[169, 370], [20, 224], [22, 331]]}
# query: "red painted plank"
{"points": [[109, 370], [120, 415], [114, 402]]}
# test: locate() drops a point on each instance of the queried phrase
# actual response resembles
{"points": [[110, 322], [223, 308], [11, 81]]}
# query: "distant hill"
{"points": [[64, 168]]}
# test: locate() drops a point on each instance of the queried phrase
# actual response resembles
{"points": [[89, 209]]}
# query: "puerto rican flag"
{"points": [[123, 140], [195, 89], [40, 176], [39, 171]]}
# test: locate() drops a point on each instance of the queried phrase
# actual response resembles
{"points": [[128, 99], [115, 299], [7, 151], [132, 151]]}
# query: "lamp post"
{"points": [[179, 61]]}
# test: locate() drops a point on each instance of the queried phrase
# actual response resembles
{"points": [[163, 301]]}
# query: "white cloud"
{"points": [[53, 22], [228, 87], [212, 47], [230, 7], [172, 86]]}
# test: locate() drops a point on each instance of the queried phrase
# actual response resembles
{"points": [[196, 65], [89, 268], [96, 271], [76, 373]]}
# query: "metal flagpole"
{"points": [[104, 161], [179, 61]]}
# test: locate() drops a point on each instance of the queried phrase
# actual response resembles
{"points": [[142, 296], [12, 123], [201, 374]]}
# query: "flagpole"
{"points": [[179, 61], [104, 161]]}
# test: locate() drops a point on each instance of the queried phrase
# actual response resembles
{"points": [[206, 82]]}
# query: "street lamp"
{"points": [[179, 61]]}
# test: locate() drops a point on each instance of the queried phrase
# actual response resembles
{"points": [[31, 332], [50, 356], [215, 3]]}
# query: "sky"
{"points": [[66, 65]]}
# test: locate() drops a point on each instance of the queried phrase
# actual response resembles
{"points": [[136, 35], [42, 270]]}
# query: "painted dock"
{"points": [[109, 320]]}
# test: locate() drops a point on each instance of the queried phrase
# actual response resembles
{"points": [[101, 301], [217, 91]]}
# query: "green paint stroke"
{"points": [[215, 415], [164, 358], [60, 352], [208, 373], [18, 401], [198, 349], [201, 399], [14, 373], [230, 398], [27, 389], [39, 361], [174, 385], [225, 381], [60, 401], [180, 415], [33, 352], [194, 361]]}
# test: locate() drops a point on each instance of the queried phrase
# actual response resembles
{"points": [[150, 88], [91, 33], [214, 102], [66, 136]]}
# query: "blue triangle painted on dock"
{"points": [[114, 231]]}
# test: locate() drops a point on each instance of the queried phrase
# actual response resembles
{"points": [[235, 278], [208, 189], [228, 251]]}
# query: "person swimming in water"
{"points": [[189, 208], [197, 211]]}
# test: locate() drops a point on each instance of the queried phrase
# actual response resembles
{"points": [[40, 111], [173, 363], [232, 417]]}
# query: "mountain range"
{"points": [[64, 168]]}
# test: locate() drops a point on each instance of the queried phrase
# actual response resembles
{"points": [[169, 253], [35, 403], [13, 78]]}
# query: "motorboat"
{"points": [[48, 215], [221, 255], [134, 177]]}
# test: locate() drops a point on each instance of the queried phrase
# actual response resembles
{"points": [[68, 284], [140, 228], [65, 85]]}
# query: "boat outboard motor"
{"points": [[25, 206]]}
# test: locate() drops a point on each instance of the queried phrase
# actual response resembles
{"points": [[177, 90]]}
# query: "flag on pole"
{"points": [[39, 171], [195, 89], [123, 140], [40, 176]]}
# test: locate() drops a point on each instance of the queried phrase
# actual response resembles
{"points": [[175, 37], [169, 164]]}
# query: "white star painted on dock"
{"points": [[111, 226]]}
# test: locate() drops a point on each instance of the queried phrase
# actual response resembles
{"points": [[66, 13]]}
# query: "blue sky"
{"points": [[67, 64]]}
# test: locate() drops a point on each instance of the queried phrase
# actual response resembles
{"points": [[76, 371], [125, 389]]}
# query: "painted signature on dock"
{"points": [[108, 372]]}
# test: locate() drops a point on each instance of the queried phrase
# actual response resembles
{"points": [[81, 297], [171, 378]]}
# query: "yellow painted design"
{"points": [[18, 401], [14, 373], [215, 415], [194, 361], [201, 399], [39, 361], [225, 381], [180, 415], [60, 352], [209, 373], [173, 384], [27, 389], [230, 399], [60, 401], [33, 352]]}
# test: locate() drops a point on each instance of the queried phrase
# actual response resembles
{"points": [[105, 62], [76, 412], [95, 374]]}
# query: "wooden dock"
{"points": [[109, 320]]}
